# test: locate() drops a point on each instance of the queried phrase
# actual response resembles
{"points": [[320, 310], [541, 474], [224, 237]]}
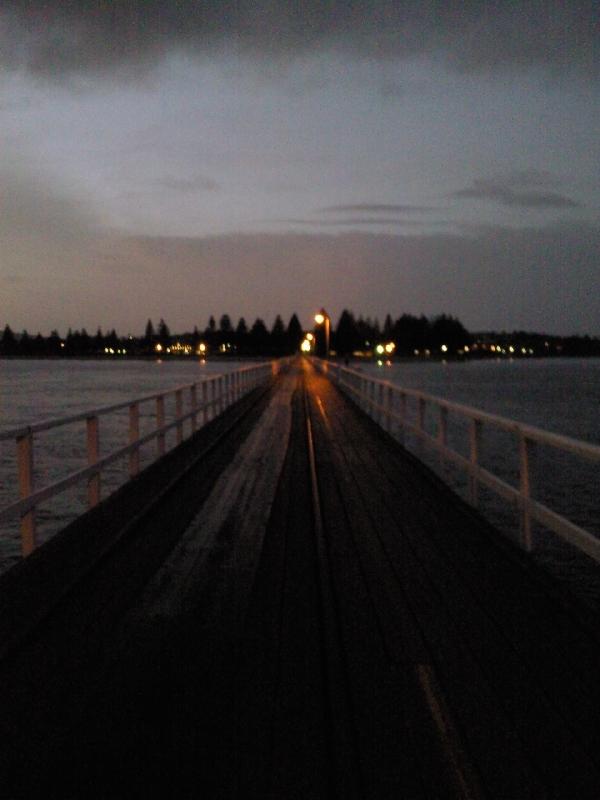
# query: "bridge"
{"points": [[289, 604]]}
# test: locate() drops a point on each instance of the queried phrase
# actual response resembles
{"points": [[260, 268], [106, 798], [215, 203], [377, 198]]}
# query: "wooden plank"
{"points": [[411, 607], [346, 430]]}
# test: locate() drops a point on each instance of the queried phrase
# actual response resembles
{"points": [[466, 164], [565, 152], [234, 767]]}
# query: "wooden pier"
{"points": [[289, 605]]}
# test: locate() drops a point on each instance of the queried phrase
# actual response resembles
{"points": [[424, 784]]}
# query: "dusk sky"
{"points": [[178, 160]]}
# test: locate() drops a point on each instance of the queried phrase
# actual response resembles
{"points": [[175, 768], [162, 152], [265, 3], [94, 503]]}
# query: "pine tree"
{"points": [[164, 334], [347, 336], [225, 325], [149, 334], [9, 342], [294, 334]]}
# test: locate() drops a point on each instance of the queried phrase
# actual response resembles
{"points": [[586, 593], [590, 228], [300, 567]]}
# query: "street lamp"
{"points": [[323, 318]]}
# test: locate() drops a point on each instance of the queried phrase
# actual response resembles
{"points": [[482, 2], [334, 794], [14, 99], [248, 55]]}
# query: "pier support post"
{"points": [[25, 467]]}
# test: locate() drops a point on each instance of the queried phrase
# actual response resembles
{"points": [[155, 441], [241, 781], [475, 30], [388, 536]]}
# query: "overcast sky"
{"points": [[187, 159]]}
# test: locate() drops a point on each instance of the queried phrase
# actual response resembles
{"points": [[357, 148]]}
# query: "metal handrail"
{"points": [[216, 392], [379, 398]]}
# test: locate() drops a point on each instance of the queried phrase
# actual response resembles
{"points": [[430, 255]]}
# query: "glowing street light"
{"points": [[305, 346], [323, 318]]}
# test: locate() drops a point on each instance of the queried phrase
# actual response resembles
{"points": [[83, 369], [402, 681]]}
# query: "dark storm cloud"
{"points": [[372, 221], [530, 189], [362, 222], [55, 37], [376, 208]]}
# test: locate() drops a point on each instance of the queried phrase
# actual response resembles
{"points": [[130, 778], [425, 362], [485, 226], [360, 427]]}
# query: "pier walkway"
{"points": [[289, 605]]}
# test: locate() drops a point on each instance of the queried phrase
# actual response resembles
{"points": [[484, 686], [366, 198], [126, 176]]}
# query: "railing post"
{"points": [[389, 399], [194, 404], [25, 466], [526, 448], [179, 414], [380, 414], [134, 435], [213, 398], [216, 396], [402, 417], [160, 423], [443, 434], [204, 402], [474, 448], [93, 454], [421, 416]]}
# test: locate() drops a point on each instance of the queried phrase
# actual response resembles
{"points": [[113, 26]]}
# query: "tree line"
{"points": [[223, 339], [412, 336]]}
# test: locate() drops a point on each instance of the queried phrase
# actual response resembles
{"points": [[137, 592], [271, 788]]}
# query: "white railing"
{"points": [[205, 400], [387, 404]]}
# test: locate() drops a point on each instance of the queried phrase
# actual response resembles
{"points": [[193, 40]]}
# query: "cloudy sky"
{"points": [[182, 159]]}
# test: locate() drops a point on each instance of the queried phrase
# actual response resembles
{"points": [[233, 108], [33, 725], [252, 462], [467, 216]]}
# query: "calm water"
{"points": [[561, 395]]}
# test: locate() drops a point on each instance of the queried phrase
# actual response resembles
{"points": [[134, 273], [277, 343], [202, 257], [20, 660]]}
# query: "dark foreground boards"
{"points": [[308, 613]]}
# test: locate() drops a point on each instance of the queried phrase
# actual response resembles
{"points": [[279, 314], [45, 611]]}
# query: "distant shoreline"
{"points": [[366, 360]]}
